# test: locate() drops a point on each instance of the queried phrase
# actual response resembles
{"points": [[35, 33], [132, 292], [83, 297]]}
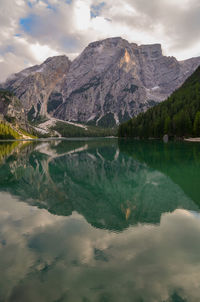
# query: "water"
{"points": [[98, 220]]}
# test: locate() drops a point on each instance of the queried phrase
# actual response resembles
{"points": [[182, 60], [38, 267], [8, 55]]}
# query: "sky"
{"points": [[33, 30]]}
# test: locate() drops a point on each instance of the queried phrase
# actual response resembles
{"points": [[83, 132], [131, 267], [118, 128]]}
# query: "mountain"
{"points": [[34, 85], [13, 120], [109, 82], [113, 80], [178, 116]]}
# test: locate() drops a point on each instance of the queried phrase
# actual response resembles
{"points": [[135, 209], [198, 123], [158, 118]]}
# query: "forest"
{"points": [[178, 116], [67, 130]]}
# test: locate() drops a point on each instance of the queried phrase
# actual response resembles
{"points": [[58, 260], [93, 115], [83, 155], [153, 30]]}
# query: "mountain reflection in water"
{"points": [[110, 189], [91, 220]]}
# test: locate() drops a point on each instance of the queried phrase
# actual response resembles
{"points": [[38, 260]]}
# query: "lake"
{"points": [[99, 220]]}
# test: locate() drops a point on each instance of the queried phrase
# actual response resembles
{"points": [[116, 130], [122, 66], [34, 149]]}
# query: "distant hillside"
{"points": [[68, 130], [178, 116], [13, 122]]}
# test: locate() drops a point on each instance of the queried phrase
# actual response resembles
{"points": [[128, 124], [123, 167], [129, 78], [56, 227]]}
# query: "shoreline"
{"points": [[192, 139], [56, 138]]}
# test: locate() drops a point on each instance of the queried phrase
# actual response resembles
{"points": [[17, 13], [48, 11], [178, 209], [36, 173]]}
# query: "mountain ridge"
{"points": [[111, 81], [178, 116]]}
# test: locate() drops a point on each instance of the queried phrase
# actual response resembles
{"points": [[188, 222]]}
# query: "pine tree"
{"points": [[167, 125], [196, 126], [177, 116]]}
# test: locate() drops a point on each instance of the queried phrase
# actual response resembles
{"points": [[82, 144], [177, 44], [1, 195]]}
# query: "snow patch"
{"points": [[41, 69], [155, 88]]}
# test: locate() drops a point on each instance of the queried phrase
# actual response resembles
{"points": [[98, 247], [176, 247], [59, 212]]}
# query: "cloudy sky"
{"points": [[31, 31]]}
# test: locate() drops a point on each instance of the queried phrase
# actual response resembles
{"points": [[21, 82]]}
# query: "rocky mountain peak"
{"points": [[55, 62], [33, 85], [60, 58], [47, 65], [151, 51], [109, 42], [113, 80], [109, 82]]}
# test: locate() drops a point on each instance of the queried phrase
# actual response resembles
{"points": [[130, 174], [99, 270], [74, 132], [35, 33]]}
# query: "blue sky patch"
{"points": [[27, 23], [52, 7], [6, 49], [29, 4], [95, 10]]}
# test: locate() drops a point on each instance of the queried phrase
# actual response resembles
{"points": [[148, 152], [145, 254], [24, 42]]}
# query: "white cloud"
{"points": [[56, 27], [41, 52], [82, 15]]}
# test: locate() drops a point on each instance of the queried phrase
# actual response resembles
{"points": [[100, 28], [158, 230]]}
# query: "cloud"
{"points": [[64, 257], [66, 27], [173, 23]]}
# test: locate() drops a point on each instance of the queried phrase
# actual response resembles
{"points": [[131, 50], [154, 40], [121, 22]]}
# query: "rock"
{"points": [[113, 80], [109, 82], [165, 138], [34, 85], [13, 114], [11, 109]]}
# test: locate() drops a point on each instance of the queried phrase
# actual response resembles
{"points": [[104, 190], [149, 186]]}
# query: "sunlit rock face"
{"points": [[111, 81], [11, 110], [34, 85]]}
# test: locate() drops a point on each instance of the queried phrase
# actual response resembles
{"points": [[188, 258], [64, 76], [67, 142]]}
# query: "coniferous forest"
{"points": [[178, 116]]}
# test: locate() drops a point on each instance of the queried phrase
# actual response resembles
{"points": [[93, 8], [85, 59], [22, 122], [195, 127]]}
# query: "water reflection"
{"points": [[180, 161], [110, 189], [52, 258], [91, 221]]}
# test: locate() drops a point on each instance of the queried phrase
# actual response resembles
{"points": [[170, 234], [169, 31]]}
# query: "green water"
{"points": [[99, 220]]}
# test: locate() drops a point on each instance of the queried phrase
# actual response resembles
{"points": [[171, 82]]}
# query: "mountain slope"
{"points": [[34, 85], [13, 121], [113, 80], [109, 82], [178, 116]]}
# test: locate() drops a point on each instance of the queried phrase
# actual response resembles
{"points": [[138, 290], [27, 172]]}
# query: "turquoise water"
{"points": [[99, 220]]}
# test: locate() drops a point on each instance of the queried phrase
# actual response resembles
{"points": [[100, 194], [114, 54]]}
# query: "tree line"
{"points": [[178, 116], [67, 130]]}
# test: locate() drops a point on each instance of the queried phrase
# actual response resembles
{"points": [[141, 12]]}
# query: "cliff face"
{"points": [[34, 85], [113, 80], [13, 117], [110, 82], [11, 109]]}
